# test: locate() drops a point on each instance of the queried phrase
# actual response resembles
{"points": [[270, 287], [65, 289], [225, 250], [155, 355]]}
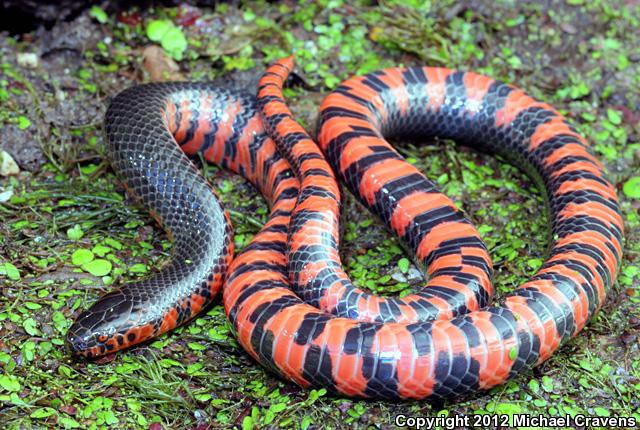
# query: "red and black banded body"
{"points": [[443, 340], [446, 356], [149, 129], [458, 264]]}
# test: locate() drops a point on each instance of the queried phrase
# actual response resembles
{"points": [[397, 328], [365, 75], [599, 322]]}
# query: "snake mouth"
{"points": [[77, 345], [92, 336], [80, 341], [97, 331], [87, 342]]}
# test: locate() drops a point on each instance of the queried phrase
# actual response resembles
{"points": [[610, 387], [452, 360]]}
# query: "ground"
{"points": [[68, 233]]}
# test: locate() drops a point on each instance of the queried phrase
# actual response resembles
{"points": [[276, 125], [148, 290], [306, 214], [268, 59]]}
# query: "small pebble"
{"points": [[414, 274], [200, 415], [398, 276]]}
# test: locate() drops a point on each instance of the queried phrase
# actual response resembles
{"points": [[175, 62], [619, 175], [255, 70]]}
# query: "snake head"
{"points": [[102, 328]]}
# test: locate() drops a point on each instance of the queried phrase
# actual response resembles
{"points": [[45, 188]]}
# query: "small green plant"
{"points": [[170, 37], [631, 188]]}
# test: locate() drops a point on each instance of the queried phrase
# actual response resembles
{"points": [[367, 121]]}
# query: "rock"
{"points": [[45, 10], [8, 166], [27, 59]]}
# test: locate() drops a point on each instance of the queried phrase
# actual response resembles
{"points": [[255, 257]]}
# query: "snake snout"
{"points": [[89, 341], [94, 331], [79, 340], [89, 334], [76, 344]]}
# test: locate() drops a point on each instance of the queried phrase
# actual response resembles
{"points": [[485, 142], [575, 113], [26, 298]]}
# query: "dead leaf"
{"points": [[159, 65]]}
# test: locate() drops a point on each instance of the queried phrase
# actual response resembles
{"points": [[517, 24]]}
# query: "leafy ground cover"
{"points": [[68, 233]]}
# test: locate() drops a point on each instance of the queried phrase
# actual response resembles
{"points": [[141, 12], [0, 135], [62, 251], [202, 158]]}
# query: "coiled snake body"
{"points": [[290, 302]]}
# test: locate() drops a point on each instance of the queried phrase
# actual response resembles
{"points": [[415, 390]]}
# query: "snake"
{"points": [[291, 305]]}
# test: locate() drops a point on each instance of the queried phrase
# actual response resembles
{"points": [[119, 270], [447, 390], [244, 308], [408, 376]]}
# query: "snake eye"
{"points": [[102, 338]]}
